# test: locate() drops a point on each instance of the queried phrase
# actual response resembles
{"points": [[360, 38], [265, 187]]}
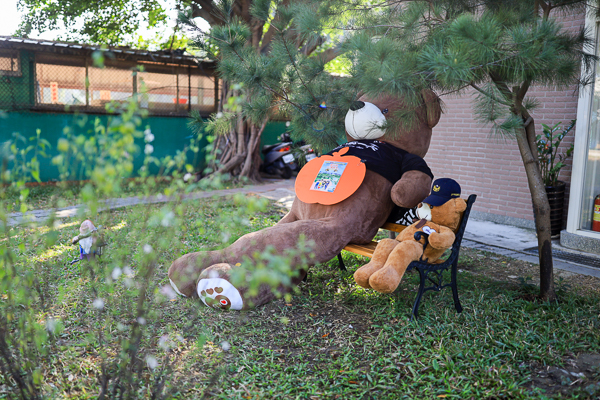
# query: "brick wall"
{"points": [[491, 166]]}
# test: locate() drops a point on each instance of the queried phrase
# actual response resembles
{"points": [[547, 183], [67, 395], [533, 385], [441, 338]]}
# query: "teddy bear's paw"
{"points": [[219, 293], [386, 280], [362, 275]]}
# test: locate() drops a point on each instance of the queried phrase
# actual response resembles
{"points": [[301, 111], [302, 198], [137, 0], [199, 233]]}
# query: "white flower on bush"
{"points": [[98, 303], [148, 149], [151, 362], [51, 324], [148, 136], [187, 177], [168, 219], [225, 236], [116, 273], [168, 291], [219, 114], [164, 342]]}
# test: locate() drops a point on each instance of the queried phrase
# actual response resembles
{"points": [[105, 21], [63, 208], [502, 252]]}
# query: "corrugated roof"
{"points": [[86, 49]]}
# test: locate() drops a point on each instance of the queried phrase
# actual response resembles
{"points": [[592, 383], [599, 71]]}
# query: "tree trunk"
{"points": [[541, 209], [252, 162], [238, 152]]}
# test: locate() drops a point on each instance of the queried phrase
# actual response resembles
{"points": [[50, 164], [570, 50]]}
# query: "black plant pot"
{"points": [[556, 198]]}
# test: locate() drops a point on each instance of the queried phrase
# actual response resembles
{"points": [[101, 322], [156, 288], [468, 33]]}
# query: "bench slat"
{"points": [[362, 249], [368, 249], [390, 226]]}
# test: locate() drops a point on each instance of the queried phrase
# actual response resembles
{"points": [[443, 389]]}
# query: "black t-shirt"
{"points": [[385, 159]]}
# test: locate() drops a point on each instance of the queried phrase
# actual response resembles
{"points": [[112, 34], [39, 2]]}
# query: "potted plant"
{"points": [[551, 162]]}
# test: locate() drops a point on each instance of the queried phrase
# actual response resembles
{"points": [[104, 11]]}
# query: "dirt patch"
{"points": [[580, 374]]}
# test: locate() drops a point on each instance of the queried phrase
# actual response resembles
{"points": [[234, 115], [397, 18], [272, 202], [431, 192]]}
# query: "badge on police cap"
{"points": [[443, 189]]}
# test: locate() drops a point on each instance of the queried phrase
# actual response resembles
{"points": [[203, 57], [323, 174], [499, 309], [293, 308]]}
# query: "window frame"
{"points": [[580, 152], [12, 54]]}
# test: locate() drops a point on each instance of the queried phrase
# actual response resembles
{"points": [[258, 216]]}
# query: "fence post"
{"points": [[134, 76], [87, 83], [177, 95]]}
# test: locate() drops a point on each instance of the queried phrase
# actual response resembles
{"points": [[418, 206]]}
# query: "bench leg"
{"points": [[415, 309], [341, 262], [454, 272]]}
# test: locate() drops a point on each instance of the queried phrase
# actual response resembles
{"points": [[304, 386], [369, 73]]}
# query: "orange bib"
{"points": [[330, 179]]}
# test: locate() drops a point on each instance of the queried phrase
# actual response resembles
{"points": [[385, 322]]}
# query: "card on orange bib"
{"points": [[329, 179]]}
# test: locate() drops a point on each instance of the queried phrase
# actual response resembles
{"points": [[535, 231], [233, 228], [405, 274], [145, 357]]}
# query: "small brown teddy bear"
{"points": [[439, 215]]}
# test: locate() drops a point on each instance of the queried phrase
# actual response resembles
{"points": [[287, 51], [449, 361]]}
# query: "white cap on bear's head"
{"points": [[363, 121]]}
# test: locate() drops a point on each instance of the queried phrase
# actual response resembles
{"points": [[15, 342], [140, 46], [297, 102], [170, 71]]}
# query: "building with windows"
{"points": [[47, 85], [45, 75]]}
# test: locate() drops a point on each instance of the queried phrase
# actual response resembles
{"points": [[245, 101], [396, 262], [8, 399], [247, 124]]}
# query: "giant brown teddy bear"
{"points": [[402, 178]]}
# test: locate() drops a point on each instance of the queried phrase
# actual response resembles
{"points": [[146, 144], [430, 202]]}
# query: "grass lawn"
{"points": [[330, 340], [51, 195]]}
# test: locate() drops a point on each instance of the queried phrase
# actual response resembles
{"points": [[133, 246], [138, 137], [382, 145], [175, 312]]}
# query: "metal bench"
{"points": [[429, 273]]}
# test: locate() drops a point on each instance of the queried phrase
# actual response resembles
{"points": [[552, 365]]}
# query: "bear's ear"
{"points": [[460, 205], [433, 107]]}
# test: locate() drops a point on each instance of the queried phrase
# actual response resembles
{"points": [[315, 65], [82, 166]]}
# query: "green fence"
{"points": [[171, 134]]}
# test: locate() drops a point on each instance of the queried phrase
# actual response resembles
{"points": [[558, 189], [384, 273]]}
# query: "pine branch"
{"points": [[205, 9], [270, 34], [282, 95], [502, 86], [293, 61], [491, 96], [522, 91]]}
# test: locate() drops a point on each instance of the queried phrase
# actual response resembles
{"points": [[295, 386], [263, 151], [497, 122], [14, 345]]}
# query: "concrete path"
{"points": [[522, 244], [484, 235], [271, 188]]}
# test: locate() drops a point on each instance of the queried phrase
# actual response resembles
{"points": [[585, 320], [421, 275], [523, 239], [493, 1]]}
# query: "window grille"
{"points": [[10, 63], [161, 89], [109, 85], [60, 85]]}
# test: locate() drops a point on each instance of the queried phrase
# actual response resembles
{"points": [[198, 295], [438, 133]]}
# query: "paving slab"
{"points": [[506, 236]]}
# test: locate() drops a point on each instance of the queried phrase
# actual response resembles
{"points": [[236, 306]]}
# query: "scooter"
{"points": [[283, 159]]}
